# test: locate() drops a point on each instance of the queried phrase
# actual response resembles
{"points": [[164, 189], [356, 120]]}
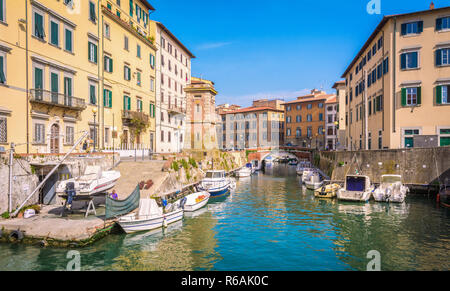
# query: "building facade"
{"points": [[331, 124], [397, 85], [259, 126], [305, 120], [173, 74], [201, 116], [62, 72], [340, 88]]}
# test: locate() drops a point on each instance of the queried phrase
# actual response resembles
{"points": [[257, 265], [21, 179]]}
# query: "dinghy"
{"points": [[328, 191], [196, 201], [391, 189], [357, 188], [93, 181], [152, 216]]}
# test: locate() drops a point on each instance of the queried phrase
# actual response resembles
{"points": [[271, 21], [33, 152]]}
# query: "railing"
{"points": [[176, 109], [57, 99], [130, 115]]}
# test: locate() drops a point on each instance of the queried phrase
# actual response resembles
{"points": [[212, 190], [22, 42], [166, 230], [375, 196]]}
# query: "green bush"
{"points": [[175, 166], [193, 163], [185, 164]]}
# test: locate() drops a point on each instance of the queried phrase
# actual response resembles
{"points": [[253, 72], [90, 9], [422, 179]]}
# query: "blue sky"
{"points": [[274, 49]]}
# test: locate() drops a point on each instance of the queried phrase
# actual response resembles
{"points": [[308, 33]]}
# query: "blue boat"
{"points": [[216, 184]]}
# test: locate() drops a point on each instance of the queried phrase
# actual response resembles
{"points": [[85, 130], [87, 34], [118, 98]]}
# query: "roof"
{"points": [[174, 38], [338, 83], [309, 99], [148, 5], [252, 109], [331, 100], [378, 29]]}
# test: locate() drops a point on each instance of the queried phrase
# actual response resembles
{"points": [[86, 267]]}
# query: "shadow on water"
{"points": [[270, 222]]}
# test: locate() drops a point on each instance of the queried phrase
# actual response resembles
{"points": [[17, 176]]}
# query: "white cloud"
{"points": [[246, 100], [212, 45]]}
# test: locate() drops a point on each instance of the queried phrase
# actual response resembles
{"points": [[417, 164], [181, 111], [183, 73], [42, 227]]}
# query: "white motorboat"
{"points": [[93, 181], [306, 173], [313, 181], [152, 216], [357, 188], [256, 165], [196, 201], [244, 172], [391, 189], [216, 184], [302, 166]]}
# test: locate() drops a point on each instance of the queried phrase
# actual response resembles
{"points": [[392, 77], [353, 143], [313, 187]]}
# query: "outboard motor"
{"points": [[71, 192]]}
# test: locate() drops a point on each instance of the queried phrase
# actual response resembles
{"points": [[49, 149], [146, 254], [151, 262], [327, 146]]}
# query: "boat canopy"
{"points": [[215, 174], [249, 165], [357, 183], [391, 178]]}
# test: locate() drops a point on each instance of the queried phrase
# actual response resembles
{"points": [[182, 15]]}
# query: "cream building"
{"points": [[397, 85], [340, 88], [173, 74], [63, 71]]}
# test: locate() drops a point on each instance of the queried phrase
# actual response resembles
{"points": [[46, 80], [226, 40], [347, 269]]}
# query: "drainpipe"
{"points": [[103, 78], [26, 78], [366, 115], [11, 157], [100, 88], [384, 95], [394, 70]]}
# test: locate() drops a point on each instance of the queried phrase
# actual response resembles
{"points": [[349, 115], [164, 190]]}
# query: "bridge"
{"points": [[262, 154]]}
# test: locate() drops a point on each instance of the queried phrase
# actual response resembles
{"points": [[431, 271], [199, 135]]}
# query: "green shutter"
{"points": [[129, 103], [92, 95], [38, 78], [439, 95], [54, 80], [95, 53], [110, 99], [68, 40], [111, 65], [89, 51], [419, 95], [55, 32], [104, 97], [131, 7], [403, 96], [124, 102], [2, 73], [1, 11]]}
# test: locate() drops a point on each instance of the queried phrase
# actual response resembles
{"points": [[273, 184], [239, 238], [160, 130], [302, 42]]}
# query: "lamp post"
{"points": [[94, 111]]}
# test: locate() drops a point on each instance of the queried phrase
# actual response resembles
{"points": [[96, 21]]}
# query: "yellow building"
{"points": [[69, 66], [397, 85]]}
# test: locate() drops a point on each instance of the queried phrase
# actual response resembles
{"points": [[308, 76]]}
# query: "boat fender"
{"points": [[16, 235], [165, 223]]}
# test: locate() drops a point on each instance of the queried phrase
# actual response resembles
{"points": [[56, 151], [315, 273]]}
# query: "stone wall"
{"points": [[417, 166]]}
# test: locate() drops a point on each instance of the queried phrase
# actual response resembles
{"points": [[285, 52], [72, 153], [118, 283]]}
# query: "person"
{"points": [[114, 195], [85, 145]]}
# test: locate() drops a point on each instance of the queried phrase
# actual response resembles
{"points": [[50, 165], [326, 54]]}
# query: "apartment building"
{"points": [[258, 126], [397, 85], [340, 88], [305, 120], [173, 75], [331, 123], [201, 116], [62, 72]]}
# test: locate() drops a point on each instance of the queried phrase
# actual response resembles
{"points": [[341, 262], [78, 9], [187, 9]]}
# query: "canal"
{"points": [[269, 223]]}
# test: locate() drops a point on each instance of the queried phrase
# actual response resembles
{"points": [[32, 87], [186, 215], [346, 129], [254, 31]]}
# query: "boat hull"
{"points": [[139, 225], [219, 192], [444, 198], [354, 196], [327, 192], [313, 186], [191, 207]]}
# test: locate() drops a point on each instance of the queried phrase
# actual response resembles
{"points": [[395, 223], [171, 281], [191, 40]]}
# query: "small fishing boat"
{"points": [[93, 181], [357, 188], [216, 184], [391, 189], [306, 173], [444, 196], [152, 216], [302, 166], [196, 201], [327, 191], [313, 181], [246, 171]]}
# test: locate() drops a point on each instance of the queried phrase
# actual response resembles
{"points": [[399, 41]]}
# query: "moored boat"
{"points": [[196, 201], [93, 181], [313, 181], [302, 166], [444, 196], [216, 184], [244, 172], [357, 188], [152, 216], [306, 173], [327, 191], [256, 165], [391, 189]]}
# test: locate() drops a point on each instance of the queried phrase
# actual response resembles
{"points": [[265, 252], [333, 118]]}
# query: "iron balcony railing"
{"points": [[176, 109], [128, 115], [57, 99]]}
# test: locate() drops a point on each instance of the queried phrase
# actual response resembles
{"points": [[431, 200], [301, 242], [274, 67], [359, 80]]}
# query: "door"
{"points": [[49, 190], [54, 139], [409, 142], [151, 141]]}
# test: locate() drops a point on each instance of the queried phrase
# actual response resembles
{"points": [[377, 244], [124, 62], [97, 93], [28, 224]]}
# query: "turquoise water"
{"points": [[269, 223]]}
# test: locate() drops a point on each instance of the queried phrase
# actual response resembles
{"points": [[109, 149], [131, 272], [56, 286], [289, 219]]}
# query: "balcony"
{"points": [[49, 98], [128, 116], [174, 109]]}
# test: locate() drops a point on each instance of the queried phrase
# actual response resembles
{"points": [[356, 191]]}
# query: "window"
{"points": [[39, 133], [54, 33], [107, 98], [443, 23], [288, 119], [299, 107], [125, 43], [138, 51], [126, 103], [152, 61], [299, 118], [409, 60], [68, 44], [92, 52], [309, 118], [442, 94], [298, 132], [107, 31], [443, 57], [309, 131], [320, 116], [127, 73], [138, 78], [92, 94], [2, 69], [54, 86], [108, 65], [92, 14], [39, 25], [309, 106], [288, 132], [139, 105], [2, 10], [411, 96], [380, 43], [288, 108], [320, 105], [385, 66], [69, 135], [412, 28], [379, 71], [152, 84], [320, 130], [162, 135]]}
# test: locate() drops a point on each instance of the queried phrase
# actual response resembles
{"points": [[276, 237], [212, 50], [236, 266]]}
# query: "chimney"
{"points": [[431, 5]]}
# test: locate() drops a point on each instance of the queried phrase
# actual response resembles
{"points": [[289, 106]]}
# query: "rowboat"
{"points": [[357, 188], [196, 201], [391, 189], [93, 181], [328, 191]]}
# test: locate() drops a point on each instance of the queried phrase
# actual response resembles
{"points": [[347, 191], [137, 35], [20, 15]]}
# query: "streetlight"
{"points": [[94, 111]]}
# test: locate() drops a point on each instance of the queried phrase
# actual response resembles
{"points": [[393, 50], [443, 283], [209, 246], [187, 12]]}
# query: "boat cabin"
{"points": [[357, 183], [215, 175]]}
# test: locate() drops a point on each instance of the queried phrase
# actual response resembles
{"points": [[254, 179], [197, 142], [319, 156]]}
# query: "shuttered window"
{"points": [[39, 133], [442, 94], [409, 60], [54, 31], [39, 25], [412, 28], [2, 70], [92, 14], [443, 57], [107, 98], [2, 12], [411, 96], [126, 103], [108, 64], [69, 40], [443, 23], [92, 94], [92, 53]]}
